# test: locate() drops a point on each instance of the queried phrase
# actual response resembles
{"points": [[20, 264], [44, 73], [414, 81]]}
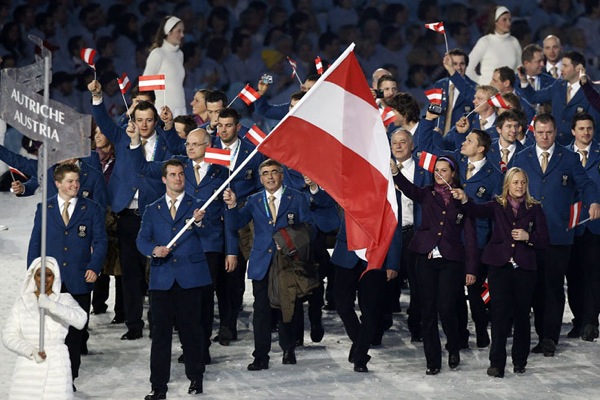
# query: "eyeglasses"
{"points": [[267, 173], [194, 145]]}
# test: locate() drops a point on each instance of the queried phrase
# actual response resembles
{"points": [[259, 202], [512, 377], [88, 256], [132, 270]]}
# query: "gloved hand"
{"points": [[38, 356], [46, 303]]}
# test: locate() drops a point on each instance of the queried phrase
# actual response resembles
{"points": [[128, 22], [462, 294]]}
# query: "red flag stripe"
{"points": [[255, 135], [16, 171], [124, 83], [427, 161], [88, 55], [575, 214], [319, 65], [434, 95], [218, 156], [249, 95], [498, 101], [436, 26], [151, 82]]}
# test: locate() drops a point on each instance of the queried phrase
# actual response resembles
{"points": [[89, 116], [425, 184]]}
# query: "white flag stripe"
{"points": [[434, 96], [219, 156], [152, 82]]}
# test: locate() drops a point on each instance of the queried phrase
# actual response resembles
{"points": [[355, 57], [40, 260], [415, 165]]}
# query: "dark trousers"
{"points": [[440, 281], [76, 337], [549, 295], [511, 292], [185, 307], [262, 322], [215, 262], [408, 263], [100, 295], [230, 295], [133, 267], [347, 283], [583, 278]]}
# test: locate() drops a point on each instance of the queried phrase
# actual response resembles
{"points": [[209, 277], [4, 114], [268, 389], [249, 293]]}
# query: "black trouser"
{"points": [[583, 278], [185, 307], [549, 295], [408, 263], [215, 262], [76, 337], [440, 282], [511, 292], [133, 267], [360, 331], [229, 297], [101, 292]]}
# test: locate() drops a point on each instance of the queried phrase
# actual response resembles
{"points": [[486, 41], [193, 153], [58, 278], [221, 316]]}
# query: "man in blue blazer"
{"points": [[271, 209], [128, 194], [506, 146], [564, 94], [76, 238], [583, 275], [178, 275], [555, 177]]}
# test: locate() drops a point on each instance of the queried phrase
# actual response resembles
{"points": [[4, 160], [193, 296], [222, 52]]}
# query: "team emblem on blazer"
{"points": [[249, 174], [85, 194], [189, 228], [467, 109], [481, 191], [579, 109], [82, 231], [459, 218], [565, 180], [291, 217], [530, 227]]}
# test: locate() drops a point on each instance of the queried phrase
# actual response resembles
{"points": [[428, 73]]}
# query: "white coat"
{"points": [[50, 379]]}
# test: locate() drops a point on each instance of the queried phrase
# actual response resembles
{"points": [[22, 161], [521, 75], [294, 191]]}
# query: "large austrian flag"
{"points": [[335, 136]]}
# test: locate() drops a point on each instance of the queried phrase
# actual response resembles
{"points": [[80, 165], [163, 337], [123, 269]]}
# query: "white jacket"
{"points": [[50, 379]]}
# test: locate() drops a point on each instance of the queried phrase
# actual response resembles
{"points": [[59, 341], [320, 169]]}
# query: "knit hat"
{"points": [[499, 11]]}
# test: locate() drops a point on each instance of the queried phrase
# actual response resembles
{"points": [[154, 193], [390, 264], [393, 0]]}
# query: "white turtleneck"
{"points": [[493, 51]]}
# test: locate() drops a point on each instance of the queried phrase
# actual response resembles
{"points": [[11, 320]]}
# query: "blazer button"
{"points": [[443, 212], [442, 223], [174, 260], [439, 233], [173, 229], [514, 223], [64, 264], [270, 251], [66, 249], [66, 232], [512, 245]]}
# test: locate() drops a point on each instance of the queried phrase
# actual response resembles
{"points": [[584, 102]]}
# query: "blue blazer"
{"points": [[324, 210], [453, 140], [293, 179], [293, 209], [123, 182], [186, 264], [266, 110], [557, 188], [494, 156], [501, 246], [463, 104], [592, 167], [72, 245], [563, 112]]}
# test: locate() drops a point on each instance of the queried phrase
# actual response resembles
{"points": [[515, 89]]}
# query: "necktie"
{"points": [[554, 72], [569, 89], [544, 161], [172, 209], [505, 155], [532, 82], [470, 168], [449, 107], [197, 173], [584, 154], [65, 213], [144, 141], [272, 208], [482, 123]]}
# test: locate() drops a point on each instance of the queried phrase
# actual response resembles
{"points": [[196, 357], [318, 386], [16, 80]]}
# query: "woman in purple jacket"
{"points": [[445, 242], [519, 229]]}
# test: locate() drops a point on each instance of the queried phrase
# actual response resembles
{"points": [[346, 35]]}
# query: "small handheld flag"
{"points": [[255, 135], [248, 95], [485, 295], [498, 101], [319, 65], [574, 215], [218, 156], [427, 161], [294, 65], [531, 126], [151, 82], [124, 83], [503, 166], [87, 55], [387, 115], [434, 95], [14, 171], [439, 28]]}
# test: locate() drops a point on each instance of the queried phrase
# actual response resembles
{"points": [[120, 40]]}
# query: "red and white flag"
{"points": [[351, 158], [427, 161], [15, 171], [436, 26], [248, 95], [498, 101], [575, 214], [87, 55], [124, 83], [531, 126], [255, 135], [485, 295], [387, 115], [503, 166], [151, 82], [319, 65], [293, 63], [434, 95], [218, 156]]}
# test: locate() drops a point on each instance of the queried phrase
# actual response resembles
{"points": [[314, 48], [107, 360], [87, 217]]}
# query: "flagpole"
{"points": [[579, 223], [472, 111], [296, 73], [437, 173], [234, 99], [214, 196], [12, 176]]}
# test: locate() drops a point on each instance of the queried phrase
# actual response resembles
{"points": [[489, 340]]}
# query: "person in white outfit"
{"points": [[166, 58], [498, 48], [42, 374]]}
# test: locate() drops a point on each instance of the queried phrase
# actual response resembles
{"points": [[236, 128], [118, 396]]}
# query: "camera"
{"points": [[266, 79], [379, 94], [436, 109], [522, 70]]}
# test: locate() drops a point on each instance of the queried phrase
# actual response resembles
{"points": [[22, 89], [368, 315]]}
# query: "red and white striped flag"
{"points": [[218, 156], [87, 55], [248, 95], [503, 166], [293, 63], [319, 65], [575, 214], [352, 160], [124, 83], [15, 171], [255, 135], [387, 115], [434, 95], [151, 82], [531, 126], [427, 161], [498, 101], [485, 295], [436, 26]]}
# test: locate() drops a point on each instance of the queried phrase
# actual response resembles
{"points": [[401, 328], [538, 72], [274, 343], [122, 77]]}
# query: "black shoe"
{"points": [[483, 339], [351, 354], [495, 372], [98, 311], [590, 332], [330, 306], [317, 332], [432, 371], [575, 332], [549, 347], [453, 360], [519, 369], [181, 359], [416, 338], [195, 387], [299, 342], [289, 357], [74, 388], [537, 349], [132, 335], [257, 365], [360, 367], [117, 320], [156, 395]]}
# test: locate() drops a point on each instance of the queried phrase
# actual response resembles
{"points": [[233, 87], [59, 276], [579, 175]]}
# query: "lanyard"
{"points": [[267, 205]]}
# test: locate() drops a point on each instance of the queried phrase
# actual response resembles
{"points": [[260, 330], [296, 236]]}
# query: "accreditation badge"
{"points": [[85, 194], [481, 191], [82, 231], [291, 218]]}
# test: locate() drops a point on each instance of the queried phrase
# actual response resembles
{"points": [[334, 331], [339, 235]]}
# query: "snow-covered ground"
{"points": [[118, 369]]}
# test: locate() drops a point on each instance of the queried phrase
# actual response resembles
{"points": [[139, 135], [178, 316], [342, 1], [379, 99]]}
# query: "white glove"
{"points": [[45, 302], [36, 356]]}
